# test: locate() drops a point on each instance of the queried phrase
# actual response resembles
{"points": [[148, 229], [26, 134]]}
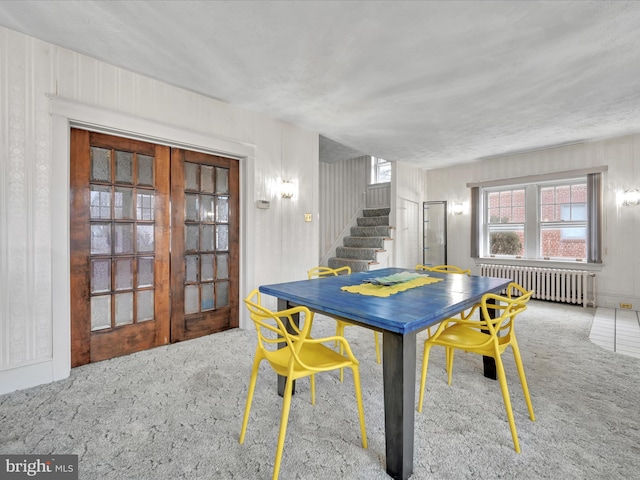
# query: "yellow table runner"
{"points": [[386, 291]]}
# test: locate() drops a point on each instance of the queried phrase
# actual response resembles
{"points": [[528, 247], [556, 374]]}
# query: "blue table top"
{"points": [[403, 312]]}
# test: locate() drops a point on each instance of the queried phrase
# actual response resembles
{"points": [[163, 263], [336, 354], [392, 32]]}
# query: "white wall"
{"points": [[619, 278], [407, 195], [43, 89], [342, 187], [378, 195]]}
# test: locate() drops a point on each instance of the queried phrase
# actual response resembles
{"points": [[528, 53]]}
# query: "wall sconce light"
{"points": [[287, 189], [458, 209], [631, 198]]}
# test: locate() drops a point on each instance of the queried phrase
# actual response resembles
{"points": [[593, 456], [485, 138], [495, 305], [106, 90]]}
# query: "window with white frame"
{"points": [[380, 170], [545, 220], [505, 221], [563, 221]]}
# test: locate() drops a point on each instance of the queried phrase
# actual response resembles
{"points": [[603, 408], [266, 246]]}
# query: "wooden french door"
{"points": [[204, 244], [124, 282]]}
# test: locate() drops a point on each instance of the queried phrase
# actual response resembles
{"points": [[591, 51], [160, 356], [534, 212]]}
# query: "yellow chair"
{"points": [[317, 272], [489, 337], [299, 356]]}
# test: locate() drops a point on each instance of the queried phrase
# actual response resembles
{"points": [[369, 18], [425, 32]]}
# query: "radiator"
{"points": [[555, 284]]}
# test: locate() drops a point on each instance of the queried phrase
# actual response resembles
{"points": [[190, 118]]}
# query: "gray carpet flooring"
{"points": [[175, 412]]}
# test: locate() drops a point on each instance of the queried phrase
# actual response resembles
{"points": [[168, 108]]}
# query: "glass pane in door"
{"points": [[124, 273], [145, 305], [123, 207], [100, 276], [145, 170], [145, 272], [124, 308], [124, 167], [100, 239], [207, 178], [191, 296], [222, 180], [100, 202], [207, 296], [222, 294], [206, 268], [101, 312], [100, 164]]}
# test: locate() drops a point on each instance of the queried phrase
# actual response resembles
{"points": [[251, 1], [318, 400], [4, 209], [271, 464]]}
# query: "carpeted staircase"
{"points": [[360, 250]]}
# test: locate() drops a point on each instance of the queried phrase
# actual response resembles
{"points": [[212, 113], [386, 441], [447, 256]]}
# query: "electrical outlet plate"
{"points": [[307, 217], [627, 306]]}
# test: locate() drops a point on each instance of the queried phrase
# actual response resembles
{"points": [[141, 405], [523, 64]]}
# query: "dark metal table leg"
{"points": [[282, 381], [489, 363], [399, 377]]}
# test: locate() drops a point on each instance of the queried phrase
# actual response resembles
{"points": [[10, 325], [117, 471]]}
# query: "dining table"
{"points": [[400, 315]]}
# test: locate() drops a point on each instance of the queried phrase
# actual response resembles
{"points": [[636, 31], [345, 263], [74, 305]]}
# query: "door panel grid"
{"points": [[122, 238], [206, 237]]}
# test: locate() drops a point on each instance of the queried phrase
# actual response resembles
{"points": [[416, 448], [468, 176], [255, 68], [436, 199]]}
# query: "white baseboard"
{"points": [[614, 300], [26, 376]]}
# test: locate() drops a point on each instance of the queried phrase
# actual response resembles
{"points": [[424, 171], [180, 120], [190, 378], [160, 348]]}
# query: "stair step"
{"points": [[357, 253], [356, 265], [376, 212], [378, 231], [364, 242], [373, 221]]}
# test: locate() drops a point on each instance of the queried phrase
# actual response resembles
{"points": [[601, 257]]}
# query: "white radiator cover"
{"points": [[556, 284]]}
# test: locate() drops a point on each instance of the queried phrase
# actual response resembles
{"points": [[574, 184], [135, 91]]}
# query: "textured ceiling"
{"points": [[428, 82]]}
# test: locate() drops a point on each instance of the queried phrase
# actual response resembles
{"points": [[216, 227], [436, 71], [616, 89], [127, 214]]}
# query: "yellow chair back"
{"points": [[520, 297], [316, 272], [273, 333]]}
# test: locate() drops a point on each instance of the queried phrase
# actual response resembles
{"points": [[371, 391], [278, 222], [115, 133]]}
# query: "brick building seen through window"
{"points": [[561, 223]]}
